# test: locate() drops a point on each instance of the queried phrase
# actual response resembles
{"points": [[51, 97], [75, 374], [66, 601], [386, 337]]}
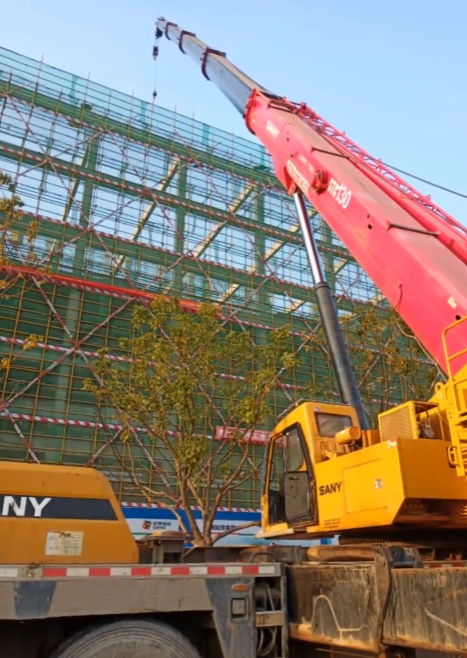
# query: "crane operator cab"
{"points": [[324, 475]]}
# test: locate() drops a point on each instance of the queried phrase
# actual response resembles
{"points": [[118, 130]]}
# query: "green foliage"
{"points": [[389, 362], [10, 209], [185, 375]]}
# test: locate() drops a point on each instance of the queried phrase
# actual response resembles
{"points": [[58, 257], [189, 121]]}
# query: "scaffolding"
{"points": [[131, 201]]}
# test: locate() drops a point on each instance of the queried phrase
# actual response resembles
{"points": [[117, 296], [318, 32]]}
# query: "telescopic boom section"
{"points": [[413, 251]]}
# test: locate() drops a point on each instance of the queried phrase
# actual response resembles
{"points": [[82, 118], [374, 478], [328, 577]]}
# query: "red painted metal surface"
{"points": [[92, 286], [414, 252], [432, 217]]}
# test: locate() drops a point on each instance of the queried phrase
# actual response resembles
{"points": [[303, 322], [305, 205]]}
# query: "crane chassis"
{"points": [[276, 603]]}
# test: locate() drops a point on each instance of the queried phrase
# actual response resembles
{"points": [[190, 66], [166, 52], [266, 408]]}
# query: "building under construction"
{"points": [[130, 200]]}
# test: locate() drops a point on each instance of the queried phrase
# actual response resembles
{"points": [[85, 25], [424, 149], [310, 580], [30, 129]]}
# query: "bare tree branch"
{"points": [[226, 533]]}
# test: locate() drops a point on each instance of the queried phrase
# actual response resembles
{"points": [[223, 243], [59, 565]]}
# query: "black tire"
{"points": [[128, 639]]}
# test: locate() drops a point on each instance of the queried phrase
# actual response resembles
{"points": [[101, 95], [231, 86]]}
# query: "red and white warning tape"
{"points": [[458, 564], [112, 426], [115, 357], [194, 507], [70, 422], [178, 570], [141, 571], [149, 571]]}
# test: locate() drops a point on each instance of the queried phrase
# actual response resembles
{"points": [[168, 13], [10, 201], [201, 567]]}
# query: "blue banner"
{"points": [[144, 520]]}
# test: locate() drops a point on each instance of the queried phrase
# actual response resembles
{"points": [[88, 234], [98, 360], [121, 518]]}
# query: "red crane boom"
{"points": [[413, 251]]}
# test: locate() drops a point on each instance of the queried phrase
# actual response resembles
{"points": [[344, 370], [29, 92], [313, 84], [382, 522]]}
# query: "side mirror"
{"points": [[348, 435]]}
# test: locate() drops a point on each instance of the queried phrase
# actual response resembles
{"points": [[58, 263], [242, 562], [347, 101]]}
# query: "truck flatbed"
{"points": [[287, 599]]}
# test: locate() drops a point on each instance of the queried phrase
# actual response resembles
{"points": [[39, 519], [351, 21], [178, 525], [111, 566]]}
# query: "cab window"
{"points": [[293, 451], [277, 465], [330, 424], [287, 457]]}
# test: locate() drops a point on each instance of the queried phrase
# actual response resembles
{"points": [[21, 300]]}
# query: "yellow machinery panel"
{"points": [[60, 515], [363, 487], [398, 423], [426, 473], [369, 490], [395, 482]]}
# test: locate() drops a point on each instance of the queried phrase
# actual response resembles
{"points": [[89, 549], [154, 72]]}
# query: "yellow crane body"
{"points": [[61, 515], [399, 476]]}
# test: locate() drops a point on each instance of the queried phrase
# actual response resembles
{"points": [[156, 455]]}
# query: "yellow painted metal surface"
{"points": [[61, 515], [403, 481], [363, 488]]}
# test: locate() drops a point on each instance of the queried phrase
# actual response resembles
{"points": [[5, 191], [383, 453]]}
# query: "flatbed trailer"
{"points": [[274, 603]]}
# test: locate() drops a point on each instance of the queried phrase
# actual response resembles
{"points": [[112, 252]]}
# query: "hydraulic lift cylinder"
{"points": [[342, 367]]}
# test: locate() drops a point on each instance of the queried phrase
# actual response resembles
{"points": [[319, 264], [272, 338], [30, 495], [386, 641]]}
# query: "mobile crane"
{"points": [[75, 584], [328, 472]]}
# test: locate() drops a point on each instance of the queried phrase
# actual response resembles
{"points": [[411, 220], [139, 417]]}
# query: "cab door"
{"points": [[291, 485], [299, 489]]}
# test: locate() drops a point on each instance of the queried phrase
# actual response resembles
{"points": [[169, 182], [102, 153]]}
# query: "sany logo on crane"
{"points": [[297, 177], [27, 506], [271, 128], [319, 182]]}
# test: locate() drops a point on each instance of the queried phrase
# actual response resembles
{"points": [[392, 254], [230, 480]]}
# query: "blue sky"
{"points": [[390, 74]]}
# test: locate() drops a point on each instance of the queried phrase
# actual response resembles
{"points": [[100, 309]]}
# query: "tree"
{"points": [[11, 254], [10, 213], [199, 390], [390, 363]]}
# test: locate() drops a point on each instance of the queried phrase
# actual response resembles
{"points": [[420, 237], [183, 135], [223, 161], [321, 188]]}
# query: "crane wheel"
{"points": [[128, 639]]}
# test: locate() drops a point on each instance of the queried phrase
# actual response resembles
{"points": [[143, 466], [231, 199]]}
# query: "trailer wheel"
{"points": [[128, 639]]}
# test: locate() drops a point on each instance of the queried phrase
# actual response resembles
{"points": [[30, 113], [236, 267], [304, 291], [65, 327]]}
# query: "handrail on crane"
{"points": [[449, 356], [458, 385]]}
